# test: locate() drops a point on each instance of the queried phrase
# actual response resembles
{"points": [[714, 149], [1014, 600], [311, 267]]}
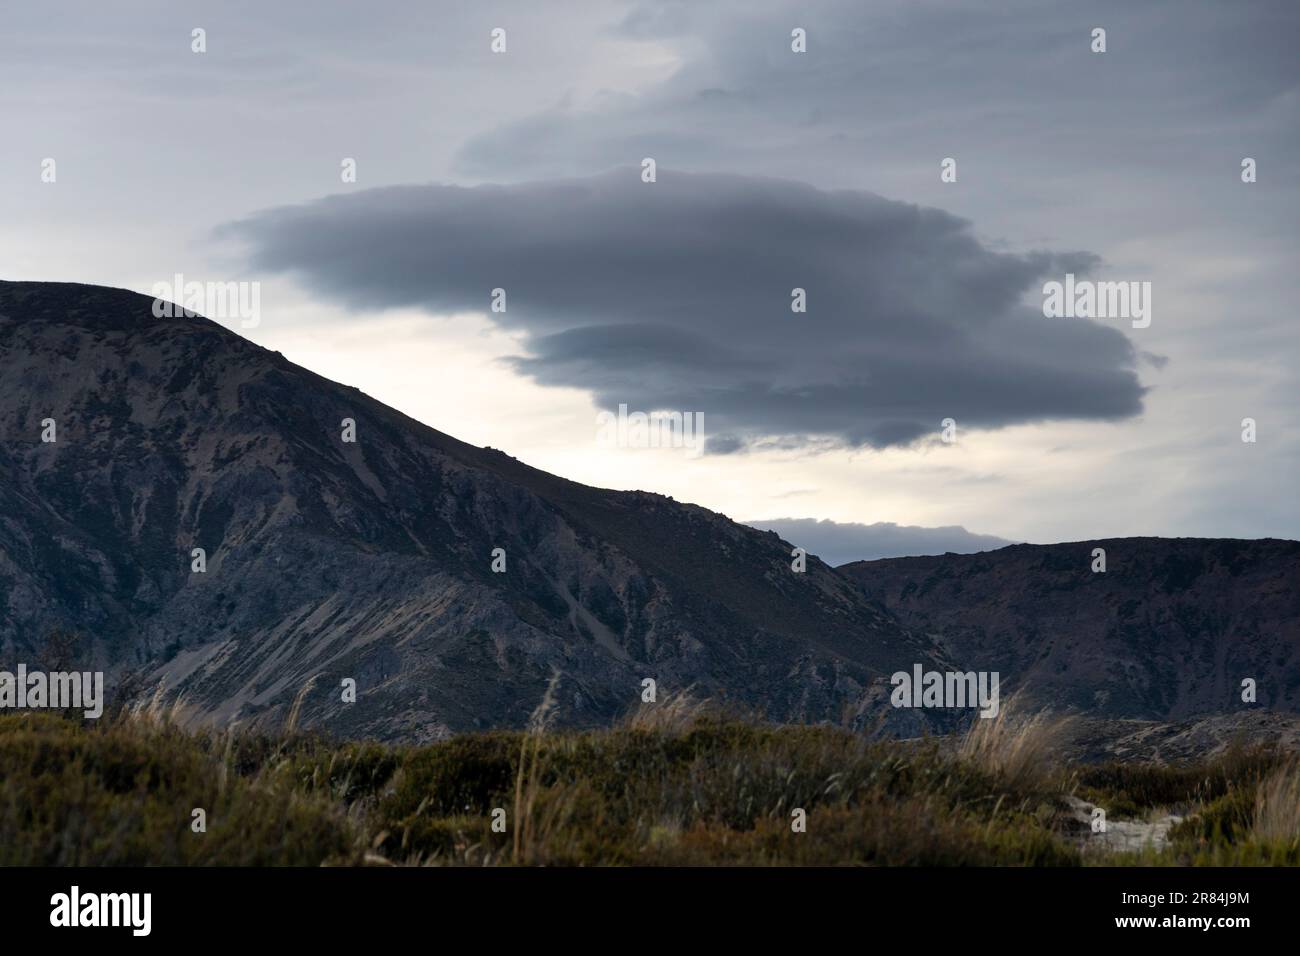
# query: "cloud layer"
{"points": [[677, 295]]}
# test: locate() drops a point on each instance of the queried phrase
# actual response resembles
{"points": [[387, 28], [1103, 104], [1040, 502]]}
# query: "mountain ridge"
{"points": [[1167, 632], [371, 560]]}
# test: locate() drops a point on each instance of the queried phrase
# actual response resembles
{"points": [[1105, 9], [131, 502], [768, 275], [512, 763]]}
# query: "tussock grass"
{"points": [[123, 794], [684, 788], [675, 714], [1277, 807], [1021, 750]]}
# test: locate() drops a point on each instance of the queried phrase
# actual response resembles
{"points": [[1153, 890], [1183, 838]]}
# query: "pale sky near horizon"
{"points": [[775, 169]]}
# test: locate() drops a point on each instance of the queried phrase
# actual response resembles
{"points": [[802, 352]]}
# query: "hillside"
{"points": [[371, 560], [1167, 632]]}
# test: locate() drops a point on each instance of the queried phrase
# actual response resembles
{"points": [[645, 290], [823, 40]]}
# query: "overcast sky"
{"points": [[776, 170]]}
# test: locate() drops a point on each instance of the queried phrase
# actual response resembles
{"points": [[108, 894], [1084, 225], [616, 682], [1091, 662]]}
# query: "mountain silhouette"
{"points": [[1169, 631], [372, 560]]}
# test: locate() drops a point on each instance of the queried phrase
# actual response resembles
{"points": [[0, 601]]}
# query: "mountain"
{"points": [[839, 543], [372, 559], [1168, 631]]}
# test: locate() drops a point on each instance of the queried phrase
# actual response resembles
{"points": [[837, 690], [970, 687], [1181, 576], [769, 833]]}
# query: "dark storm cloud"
{"points": [[1012, 84], [676, 295], [837, 543]]}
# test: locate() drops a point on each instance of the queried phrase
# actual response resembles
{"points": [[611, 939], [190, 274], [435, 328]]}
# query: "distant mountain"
{"points": [[371, 560], [840, 542], [1169, 631]]}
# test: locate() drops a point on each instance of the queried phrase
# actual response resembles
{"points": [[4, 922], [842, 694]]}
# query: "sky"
{"points": [[920, 400]]}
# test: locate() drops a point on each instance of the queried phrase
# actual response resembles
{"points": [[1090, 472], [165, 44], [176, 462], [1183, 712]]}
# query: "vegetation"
{"points": [[675, 785]]}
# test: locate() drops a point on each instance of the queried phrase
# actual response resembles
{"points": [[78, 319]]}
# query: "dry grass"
{"points": [[291, 722], [528, 780], [123, 794], [1021, 750], [675, 714], [1277, 806], [157, 711], [689, 790]]}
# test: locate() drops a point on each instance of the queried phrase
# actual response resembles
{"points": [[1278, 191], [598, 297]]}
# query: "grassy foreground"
{"points": [[672, 790]]}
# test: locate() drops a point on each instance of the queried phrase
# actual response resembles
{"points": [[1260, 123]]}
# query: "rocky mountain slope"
{"points": [[371, 560], [1169, 631]]}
